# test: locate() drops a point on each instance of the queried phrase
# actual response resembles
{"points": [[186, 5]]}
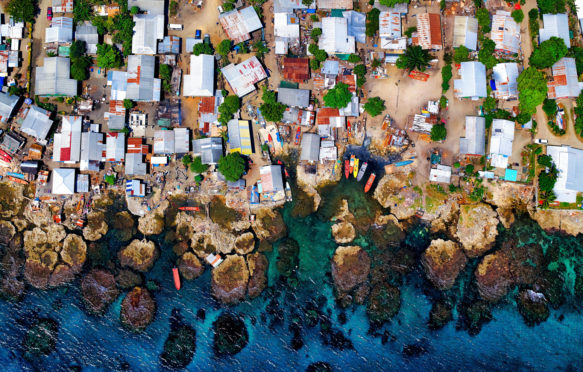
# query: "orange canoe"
{"points": [[176, 276], [369, 182]]}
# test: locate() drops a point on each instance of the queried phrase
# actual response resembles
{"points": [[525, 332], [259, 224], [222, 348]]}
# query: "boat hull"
{"points": [[176, 276], [362, 171], [369, 182], [346, 168]]}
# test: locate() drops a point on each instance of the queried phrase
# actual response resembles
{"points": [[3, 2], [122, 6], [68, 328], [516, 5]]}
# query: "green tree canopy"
{"points": [[550, 108], [228, 108], [552, 6], [186, 160], [532, 88], [483, 17], [338, 97], [22, 10], [548, 53], [196, 166], [134, 10], [372, 22], [359, 70], [414, 58], [77, 49], [232, 166], [518, 15], [128, 104], [224, 47], [461, 54], [82, 11], [391, 3], [202, 48], [446, 74], [489, 104], [438, 132], [272, 111], [108, 56], [165, 72], [354, 58], [80, 68], [486, 53], [410, 30], [315, 34], [374, 106], [260, 49]]}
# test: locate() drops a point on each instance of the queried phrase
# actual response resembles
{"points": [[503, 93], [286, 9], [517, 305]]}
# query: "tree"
{"points": [[232, 166], [307, 2], [80, 68], [548, 53], [486, 53], [443, 102], [446, 75], [392, 3], [376, 63], [196, 166], [165, 72], [579, 125], [469, 169], [410, 30], [173, 8], [489, 104], [22, 10], [414, 58], [483, 17], [552, 6], [186, 160], [108, 56], [374, 106], [272, 111], [372, 22], [202, 48], [318, 53], [338, 97], [438, 132], [550, 107], [110, 179], [545, 161], [577, 53], [315, 34], [77, 49], [359, 70], [532, 88], [135, 10], [461, 54], [354, 58], [518, 15], [224, 47], [314, 64], [260, 49], [243, 48], [128, 104], [82, 11], [229, 107], [547, 180]]}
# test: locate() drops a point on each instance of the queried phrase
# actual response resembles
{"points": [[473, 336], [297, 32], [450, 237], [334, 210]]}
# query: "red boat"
{"points": [[369, 182], [18, 180], [176, 276], [6, 155], [298, 132], [347, 168], [284, 168], [196, 209]]}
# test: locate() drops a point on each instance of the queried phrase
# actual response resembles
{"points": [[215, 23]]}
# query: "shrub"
{"points": [[446, 74], [518, 15], [438, 132]]}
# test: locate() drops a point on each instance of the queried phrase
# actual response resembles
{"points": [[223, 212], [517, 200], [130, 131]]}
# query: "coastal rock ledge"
{"points": [[229, 280], [443, 260], [137, 309], [140, 255], [477, 228], [350, 269]]}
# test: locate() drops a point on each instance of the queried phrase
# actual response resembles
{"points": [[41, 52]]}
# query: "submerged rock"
{"points": [[245, 243], [153, 222], [288, 257], [7, 231], [440, 314], [493, 276], [11, 283], [139, 255], [477, 228], [179, 347], [96, 226], [533, 306], [384, 303], [319, 367], [41, 339], [269, 225], [343, 232], [126, 278], [258, 265], [99, 290], [443, 261], [350, 268], [137, 309], [189, 266], [124, 225], [230, 335], [229, 280], [474, 315]]}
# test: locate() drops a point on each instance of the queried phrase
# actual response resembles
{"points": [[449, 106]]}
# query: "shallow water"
{"points": [[101, 343]]}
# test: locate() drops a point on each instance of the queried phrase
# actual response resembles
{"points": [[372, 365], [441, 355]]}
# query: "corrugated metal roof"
{"points": [[501, 142], [271, 178], [505, 75], [141, 84], [88, 34], [63, 181], [429, 31], [335, 38], [555, 25], [37, 123], [67, 143], [149, 6], [505, 33], [164, 142], [91, 151], [63, 6], [181, 140], [239, 136], [310, 147], [238, 24], [390, 25], [61, 30], [296, 69], [115, 146], [294, 97], [209, 149], [148, 29], [201, 80], [335, 4], [243, 77], [473, 81], [356, 25], [134, 165], [53, 79], [565, 82], [474, 143], [7, 105], [465, 32]]}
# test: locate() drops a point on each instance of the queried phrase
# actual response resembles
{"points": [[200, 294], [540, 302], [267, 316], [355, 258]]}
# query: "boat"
{"points": [[369, 182], [355, 172], [80, 223], [15, 175], [196, 209], [18, 180], [298, 133], [352, 157], [5, 155], [346, 168], [338, 162], [362, 171], [288, 193], [176, 276]]}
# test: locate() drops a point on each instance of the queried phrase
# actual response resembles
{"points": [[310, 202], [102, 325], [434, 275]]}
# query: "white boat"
{"points": [[288, 193], [362, 171]]}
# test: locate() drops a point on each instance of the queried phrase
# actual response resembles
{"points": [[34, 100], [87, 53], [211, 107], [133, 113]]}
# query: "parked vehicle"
{"points": [[198, 34], [541, 141], [220, 8], [50, 13]]}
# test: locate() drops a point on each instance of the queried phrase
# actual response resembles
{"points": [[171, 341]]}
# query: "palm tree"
{"points": [[414, 58]]}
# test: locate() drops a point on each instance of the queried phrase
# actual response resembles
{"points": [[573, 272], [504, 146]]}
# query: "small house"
{"points": [[240, 136], [67, 142], [88, 33], [474, 143], [465, 32], [209, 149], [555, 25], [271, 178], [310, 147], [61, 31], [294, 97], [501, 142], [63, 181], [504, 84], [134, 164], [565, 82], [148, 29], [429, 31], [54, 78], [296, 69], [201, 80], [473, 81], [164, 142], [335, 38], [243, 77], [238, 24], [505, 33], [91, 151], [181, 140], [115, 146], [37, 123]]}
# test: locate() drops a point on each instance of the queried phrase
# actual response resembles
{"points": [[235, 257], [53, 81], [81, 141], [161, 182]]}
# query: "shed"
{"points": [[293, 97], [473, 81], [555, 25], [243, 77], [63, 181], [209, 149], [8, 104], [310, 147], [37, 123], [134, 165], [271, 178], [181, 140], [474, 143], [201, 80], [335, 38], [115, 146], [164, 142]]}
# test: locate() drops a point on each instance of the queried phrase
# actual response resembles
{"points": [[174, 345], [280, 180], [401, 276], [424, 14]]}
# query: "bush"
{"points": [[486, 53], [354, 58], [128, 104], [314, 64], [409, 32], [550, 108], [374, 106], [108, 56], [446, 74], [135, 10], [224, 47], [360, 70], [518, 15], [314, 18], [80, 68], [232, 166], [489, 104], [22, 10], [483, 17], [372, 22], [165, 72], [552, 6], [545, 160], [338, 97], [173, 8], [443, 102], [202, 48], [315, 34], [461, 54], [438, 132], [196, 166]]}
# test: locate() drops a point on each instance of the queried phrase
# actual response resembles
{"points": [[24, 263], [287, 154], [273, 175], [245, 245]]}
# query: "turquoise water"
{"points": [[94, 343]]}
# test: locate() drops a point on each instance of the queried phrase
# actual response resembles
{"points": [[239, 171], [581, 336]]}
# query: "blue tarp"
{"points": [[511, 175], [493, 84]]}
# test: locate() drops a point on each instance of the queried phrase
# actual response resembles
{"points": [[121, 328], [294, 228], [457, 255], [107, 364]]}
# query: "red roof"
{"points": [[296, 69], [435, 28], [135, 145], [325, 113], [349, 80], [206, 105]]}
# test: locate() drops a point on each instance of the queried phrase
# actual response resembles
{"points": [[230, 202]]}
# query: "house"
{"points": [[501, 142], [8, 104], [134, 165], [352, 109], [148, 6], [288, 6], [429, 31], [569, 162], [240, 136], [579, 10], [335, 38], [181, 140], [63, 6], [67, 143], [8, 59], [440, 174], [61, 31], [286, 31], [356, 25], [473, 81], [271, 178], [335, 4], [243, 77], [296, 116], [53, 79], [293, 97], [12, 142], [116, 115], [474, 143], [310, 147], [135, 188], [238, 24], [148, 29], [329, 119], [115, 146], [208, 112], [12, 30], [505, 33], [141, 84], [209, 149], [63, 181], [136, 146], [164, 142], [201, 80], [88, 33], [389, 27], [401, 8], [107, 10], [555, 25], [565, 82], [91, 151], [328, 151], [118, 80], [37, 123], [505, 77], [296, 69], [465, 32], [170, 45]]}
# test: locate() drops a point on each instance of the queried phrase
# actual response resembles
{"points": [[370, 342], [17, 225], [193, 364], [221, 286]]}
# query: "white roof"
{"points": [[63, 181], [569, 162], [281, 45], [238, 24], [7, 106], [115, 146], [335, 39], [505, 75], [286, 25], [61, 30], [556, 25], [465, 32], [474, 142], [181, 140], [473, 81], [201, 80], [390, 25], [164, 142], [141, 84], [440, 174], [501, 142], [37, 123], [149, 28], [53, 78], [134, 165], [149, 6], [243, 77], [91, 151], [67, 144]]}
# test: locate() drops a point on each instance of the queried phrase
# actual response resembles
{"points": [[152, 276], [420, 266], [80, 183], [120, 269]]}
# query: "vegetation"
{"points": [[477, 193], [22, 10], [243, 49], [79, 61], [410, 30], [173, 8], [314, 64], [232, 166], [486, 53], [128, 104], [489, 104], [552, 6], [374, 106], [338, 97], [313, 17], [546, 180], [550, 107], [260, 49], [307, 2], [548, 53], [391, 3], [202, 48], [517, 15], [532, 88], [195, 165], [446, 75], [82, 11], [270, 108], [166, 76], [414, 58], [318, 53], [483, 17], [224, 48], [228, 108], [108, 56], [461, 54], [533, 24], [579, 115], [443, 102], [577, 53], [315, 34], [438, 132], [557, 131], [372, 22], [354, 58]]}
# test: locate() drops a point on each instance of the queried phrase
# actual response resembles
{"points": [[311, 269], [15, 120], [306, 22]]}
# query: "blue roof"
{"points": [[511, 175]]}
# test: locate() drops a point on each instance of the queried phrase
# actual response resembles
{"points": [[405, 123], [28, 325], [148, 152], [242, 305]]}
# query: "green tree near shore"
{"points": [[232, 166], [532, 89], [414, 57], [374, 106], [338, 97]]}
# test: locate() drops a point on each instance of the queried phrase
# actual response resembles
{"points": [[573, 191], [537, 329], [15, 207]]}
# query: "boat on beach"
{"points": [[176, 276], [195, 209], [298, 132], [362, 171], [369, 182], [352, 157], [288, 193], [347, 168], [355, 171]]}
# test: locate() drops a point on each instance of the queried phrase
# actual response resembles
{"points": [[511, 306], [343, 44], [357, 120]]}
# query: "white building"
{"points": [[335, 38], [54, 78], [164, 142], [505, 76], [67, 144], [501, 142], [61, 30], [37, 123], [148, 29], [505, 33], [201, 80], [474, 143], [243, 77], [440, 174], [569, 162], [91, 151], [63, 181], [115, 146], [473, 81], [465, 32], [555, 25], [286, 30]]}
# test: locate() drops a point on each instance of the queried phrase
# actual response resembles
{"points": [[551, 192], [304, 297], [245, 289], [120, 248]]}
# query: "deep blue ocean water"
{"points": [[100, 343]]}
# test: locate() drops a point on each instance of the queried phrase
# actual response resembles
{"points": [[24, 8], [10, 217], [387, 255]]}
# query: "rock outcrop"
{"points": [[96, 226], [569, 222], [269, 225], [443, 261], [229, 280], [343, 232], [124, 226], [137, 309], [245, 243], [139, 255], [190, 266], [533, 306], [153, 222], [230, 335], [7, 231], [493, 276], [99, 290], [383, 303], [258, 265], [477, 228], [350, 268]]}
